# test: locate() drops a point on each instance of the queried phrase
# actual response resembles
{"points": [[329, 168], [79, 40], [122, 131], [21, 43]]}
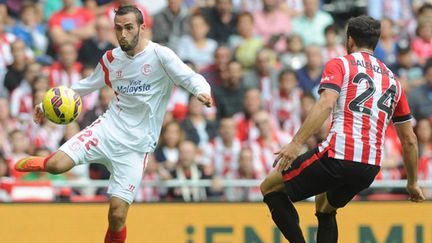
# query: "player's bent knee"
{"points": [[271, 185]]}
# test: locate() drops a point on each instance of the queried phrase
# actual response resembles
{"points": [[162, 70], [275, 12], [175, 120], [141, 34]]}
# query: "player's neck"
{"points": [[139, 48], [362, 49]]}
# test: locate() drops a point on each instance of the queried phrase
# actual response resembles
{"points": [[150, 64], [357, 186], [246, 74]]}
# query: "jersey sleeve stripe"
{"points": [[329, 86], [110, 56], [106, 73], [401, 119]]}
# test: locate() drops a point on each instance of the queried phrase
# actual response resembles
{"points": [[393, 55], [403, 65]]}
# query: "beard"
{"points": [[130, 46]]}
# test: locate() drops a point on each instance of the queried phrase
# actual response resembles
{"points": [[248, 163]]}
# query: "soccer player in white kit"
{"points": [[142, 75]]}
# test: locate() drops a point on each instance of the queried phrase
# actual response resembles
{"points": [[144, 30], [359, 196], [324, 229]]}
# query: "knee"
{"points": [[267, 186], [117, 216]]}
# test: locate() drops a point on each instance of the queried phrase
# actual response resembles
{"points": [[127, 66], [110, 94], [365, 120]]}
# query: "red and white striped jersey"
{"points": [[222, 159], [369, 95]]}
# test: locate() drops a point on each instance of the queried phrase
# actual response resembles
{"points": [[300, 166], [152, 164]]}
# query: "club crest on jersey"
{"points": [[146, 69]]}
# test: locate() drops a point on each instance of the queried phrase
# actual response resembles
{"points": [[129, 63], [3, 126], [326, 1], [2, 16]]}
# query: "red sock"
{"points": [[115, 237]]}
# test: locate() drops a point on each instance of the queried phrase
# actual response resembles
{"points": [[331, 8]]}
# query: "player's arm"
{"points": [[330, 86], [184, 76], [401, 119], [314, 121]]}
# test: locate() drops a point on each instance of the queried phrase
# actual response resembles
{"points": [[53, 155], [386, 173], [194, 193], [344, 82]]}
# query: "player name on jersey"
{"points": [[370, 66]]}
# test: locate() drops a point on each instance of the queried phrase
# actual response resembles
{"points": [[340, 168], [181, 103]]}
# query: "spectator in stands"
{"points": [[221, 155], [272, 24], [31, 30], [93, 48], [420, 99], [15, 71], [267, 143], [386, 49], [311, 24], [41, 82], [309, 76], [216, 72], [20, 148], [196, 126], [294, 56], [332, 48], [187, 169], [406, 68], [246, 128], [246, 44], [229, 96], [6, 58], [423, 131], [307, 102], [222, 20], [104, 98], [400, 11], [172, 23], [196, 47], [154, 173], [263, 76], [7, 125], [287, 102], [67, 70], [167, 151], [246, 171], [422, 43], [71, 24], [4, 168], [21, 97]]}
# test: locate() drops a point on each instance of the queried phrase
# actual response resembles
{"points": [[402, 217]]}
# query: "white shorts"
{"points": [[92, 145]]}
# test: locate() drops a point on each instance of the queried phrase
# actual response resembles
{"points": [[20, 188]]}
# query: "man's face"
{"points": [[127, 31]]}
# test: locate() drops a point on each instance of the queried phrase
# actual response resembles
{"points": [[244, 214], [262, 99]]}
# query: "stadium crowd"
{"points": [[263, 59]]}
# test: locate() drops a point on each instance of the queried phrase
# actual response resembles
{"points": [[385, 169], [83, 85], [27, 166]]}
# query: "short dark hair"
{"points": [[123, 10], [365, 31]]}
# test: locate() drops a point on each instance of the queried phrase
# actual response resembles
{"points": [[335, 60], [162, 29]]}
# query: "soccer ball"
{"points": [[61, 105]]}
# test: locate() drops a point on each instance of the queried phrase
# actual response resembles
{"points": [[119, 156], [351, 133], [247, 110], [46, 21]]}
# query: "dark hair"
{"points": [[123, 10], [365, 31], [427, 65], [286, 71], [329, 28], [245, 14], [423, 8]]}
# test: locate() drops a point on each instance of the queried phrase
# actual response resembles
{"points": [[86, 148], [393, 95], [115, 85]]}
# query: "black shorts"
{"points": [[313, 173]]}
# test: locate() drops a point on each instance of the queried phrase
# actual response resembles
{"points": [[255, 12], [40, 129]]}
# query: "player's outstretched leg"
{"points": [[327, 225], [281, 208], [56, 163], [117, 214]]}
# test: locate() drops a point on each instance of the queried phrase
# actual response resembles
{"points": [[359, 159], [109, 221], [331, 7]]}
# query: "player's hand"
{"points": [[205, 99], [415, 193], [286, 156], [38, 114]]}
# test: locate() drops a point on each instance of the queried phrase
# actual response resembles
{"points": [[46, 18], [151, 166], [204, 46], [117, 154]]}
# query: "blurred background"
{"points": [[263, 59]]}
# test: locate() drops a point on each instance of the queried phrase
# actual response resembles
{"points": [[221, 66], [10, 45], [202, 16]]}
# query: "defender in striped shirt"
{"points": [[362, 95]]}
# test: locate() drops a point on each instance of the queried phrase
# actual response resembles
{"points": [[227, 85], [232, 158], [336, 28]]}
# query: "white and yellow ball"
{"points": [[61, 105]]}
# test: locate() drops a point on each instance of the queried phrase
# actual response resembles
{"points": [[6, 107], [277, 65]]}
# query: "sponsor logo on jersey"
{"points": [[134, 87]]}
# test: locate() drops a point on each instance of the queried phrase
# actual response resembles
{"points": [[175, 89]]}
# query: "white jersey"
{"points": [[142, 85]]}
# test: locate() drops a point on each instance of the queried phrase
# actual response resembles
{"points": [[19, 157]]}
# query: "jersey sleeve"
{"points": [[402, 111], [180, 73], [93, 82], [332, 77]]}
